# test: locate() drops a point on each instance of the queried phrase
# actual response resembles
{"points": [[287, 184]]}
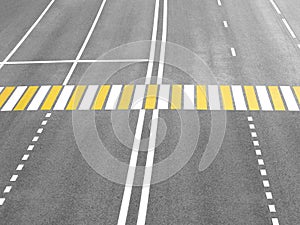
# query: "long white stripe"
{"points": [[64, 97], [263, 98], [113, 97], [14, 98], [189, 97], [70, 73], [289, 28], [163, 99], [38, 98], [289, 98], [238, 97], [27, 33], [88, 97], [138, 97], [213, 97], [275, 7]]}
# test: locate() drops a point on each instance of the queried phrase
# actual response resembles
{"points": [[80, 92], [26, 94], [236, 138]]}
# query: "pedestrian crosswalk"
{"points": [[152, 96]]}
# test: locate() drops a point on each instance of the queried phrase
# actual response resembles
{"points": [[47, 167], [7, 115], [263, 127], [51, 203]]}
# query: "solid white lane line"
{"points": [[189, 97], [289, 98], [14, 98], [263, 98], [153, 43], [138, 97], [233, 52], [7, 189], [213, 97], [163, 99], [225, 23], [70, 73], [88, 97], [14, 178], [113, 97], [63, 98], [27, 33], [30, 148], [38, 98], [275, 6], [219, 2], [289, 28], [238, 98]]}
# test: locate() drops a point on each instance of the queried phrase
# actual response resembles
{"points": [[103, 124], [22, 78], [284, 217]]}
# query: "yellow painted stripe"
{"points": [[76, 97], [5, 94], [26, 98], [150, 102], [297, 92], [176, 97], [51, 98], [251, 98], [276, 98], [227, 98], [126, 97], [100, 99], [201, 97]]}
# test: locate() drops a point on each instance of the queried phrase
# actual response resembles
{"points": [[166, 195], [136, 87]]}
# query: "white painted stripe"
{"points": [[275, 6], [256, 143], [233, 53], [263, 172], [25, 157], [27, 33], [219, 2], [138, 98], [163, 99], [44, 122], [272, 208], [225, 23], [70, 73], [20, 167], [7, 189], [35, 139], [266, 183], [238, 98], [261, 162], [14, 178], [64, 97], [269, 195], [252, 126], [213, 97], [289, 28], [48, 115], [1, 88], [253, 134], [189, 97], [2, 200], [250, 118], [275, 221], [30, 147], [38, 98], [88, 97], [14, 98], [40, 130], [263, 98], [258, 152], [298, 45], [113, 97], [289, 98]]}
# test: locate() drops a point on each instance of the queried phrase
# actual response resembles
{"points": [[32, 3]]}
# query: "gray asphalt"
{"points": [[57, 185]]}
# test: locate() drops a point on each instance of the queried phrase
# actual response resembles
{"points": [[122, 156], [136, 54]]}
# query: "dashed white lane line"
{"points": [[40, 130], [289, 28], [219, 2], [25, 157], [35, 139], [7, 189], [30, 148], [14, 178], [298, 45], [44, 123], [233, 52], [225, 23], [275, 7], [2, 200], [20, 167]]}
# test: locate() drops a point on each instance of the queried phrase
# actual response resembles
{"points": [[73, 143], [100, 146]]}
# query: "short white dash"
{"points": [[255, 143], [48, 115], [272, 208], [263, 172], [7, 189], [269, 195], [233, 53], [25, 157], [266, 183], [258, 152], [30, 147], [261, 162], [289, 28], [20, 167], [2, 200], [36, 138], [225, 23], [40, 130], [275, 221], [253, 134], [13, 178], [44, 123], [298, 45], [250, 118], [251, 126], [219, 2]]}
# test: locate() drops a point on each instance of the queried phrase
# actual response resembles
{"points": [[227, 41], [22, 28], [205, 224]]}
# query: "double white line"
{"points": [[154, 121]]}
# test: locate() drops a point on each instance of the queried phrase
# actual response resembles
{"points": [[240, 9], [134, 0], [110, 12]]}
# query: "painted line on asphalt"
{"points": [[289, 28], [219, 2], [275, 7], [263, 172], [225, 23], [233, 52], [27, 33]]}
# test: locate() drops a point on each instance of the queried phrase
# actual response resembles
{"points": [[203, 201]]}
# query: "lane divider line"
{"points": [[289, 28]]}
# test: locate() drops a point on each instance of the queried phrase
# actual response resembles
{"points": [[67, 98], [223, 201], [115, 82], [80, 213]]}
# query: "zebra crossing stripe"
{"points": [[24, 101]]}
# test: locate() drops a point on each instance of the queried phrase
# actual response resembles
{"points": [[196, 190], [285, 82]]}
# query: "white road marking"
{"points": [[233, 53], [40, 130], [27, 33], [289, 28], [275, 221], [30, 147], [269, 195], [225, 23], [253, 134], [48, 115], [298, 45], [138, 98], [252, 126], [213, 97], [266, 183], [113, 98], [272, 208], [250, 118], [14, 178], [88, 97], [258, 152], [14, 98], [263, 172], [64, 97], [219, 2], [256, 143], [289, 98], [1, 88], [25, 157], [238, 98], [163, 99], [275, 7], [261, 162], [7, 189], [20, 167], [2, 200], [44, 122], [38, 98], [35, 139], [189, 97], [264, 99]]}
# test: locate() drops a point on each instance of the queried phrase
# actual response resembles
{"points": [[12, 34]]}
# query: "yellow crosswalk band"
{"points": [[150, 102], [76, 97], [297, 92], [227, 98], [101, 97], [49, 102], [251, 98], [5, 94], [126, 97], [276, 98], [26, 98], [201, 97], [176, 97]]}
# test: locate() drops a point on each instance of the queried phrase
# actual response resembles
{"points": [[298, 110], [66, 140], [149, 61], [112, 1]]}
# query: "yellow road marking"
{"points": [[151, 97], [227, 98], [201, 97], [100, 99], [76, 97], [126, 97], [55, 90], [297, 92], [26, 98], [251, 98], [176, 97], [276, 98], [5, 94]]}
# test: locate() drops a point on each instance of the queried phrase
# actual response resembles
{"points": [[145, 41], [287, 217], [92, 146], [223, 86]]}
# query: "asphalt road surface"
{"points": [[96, 127]]}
